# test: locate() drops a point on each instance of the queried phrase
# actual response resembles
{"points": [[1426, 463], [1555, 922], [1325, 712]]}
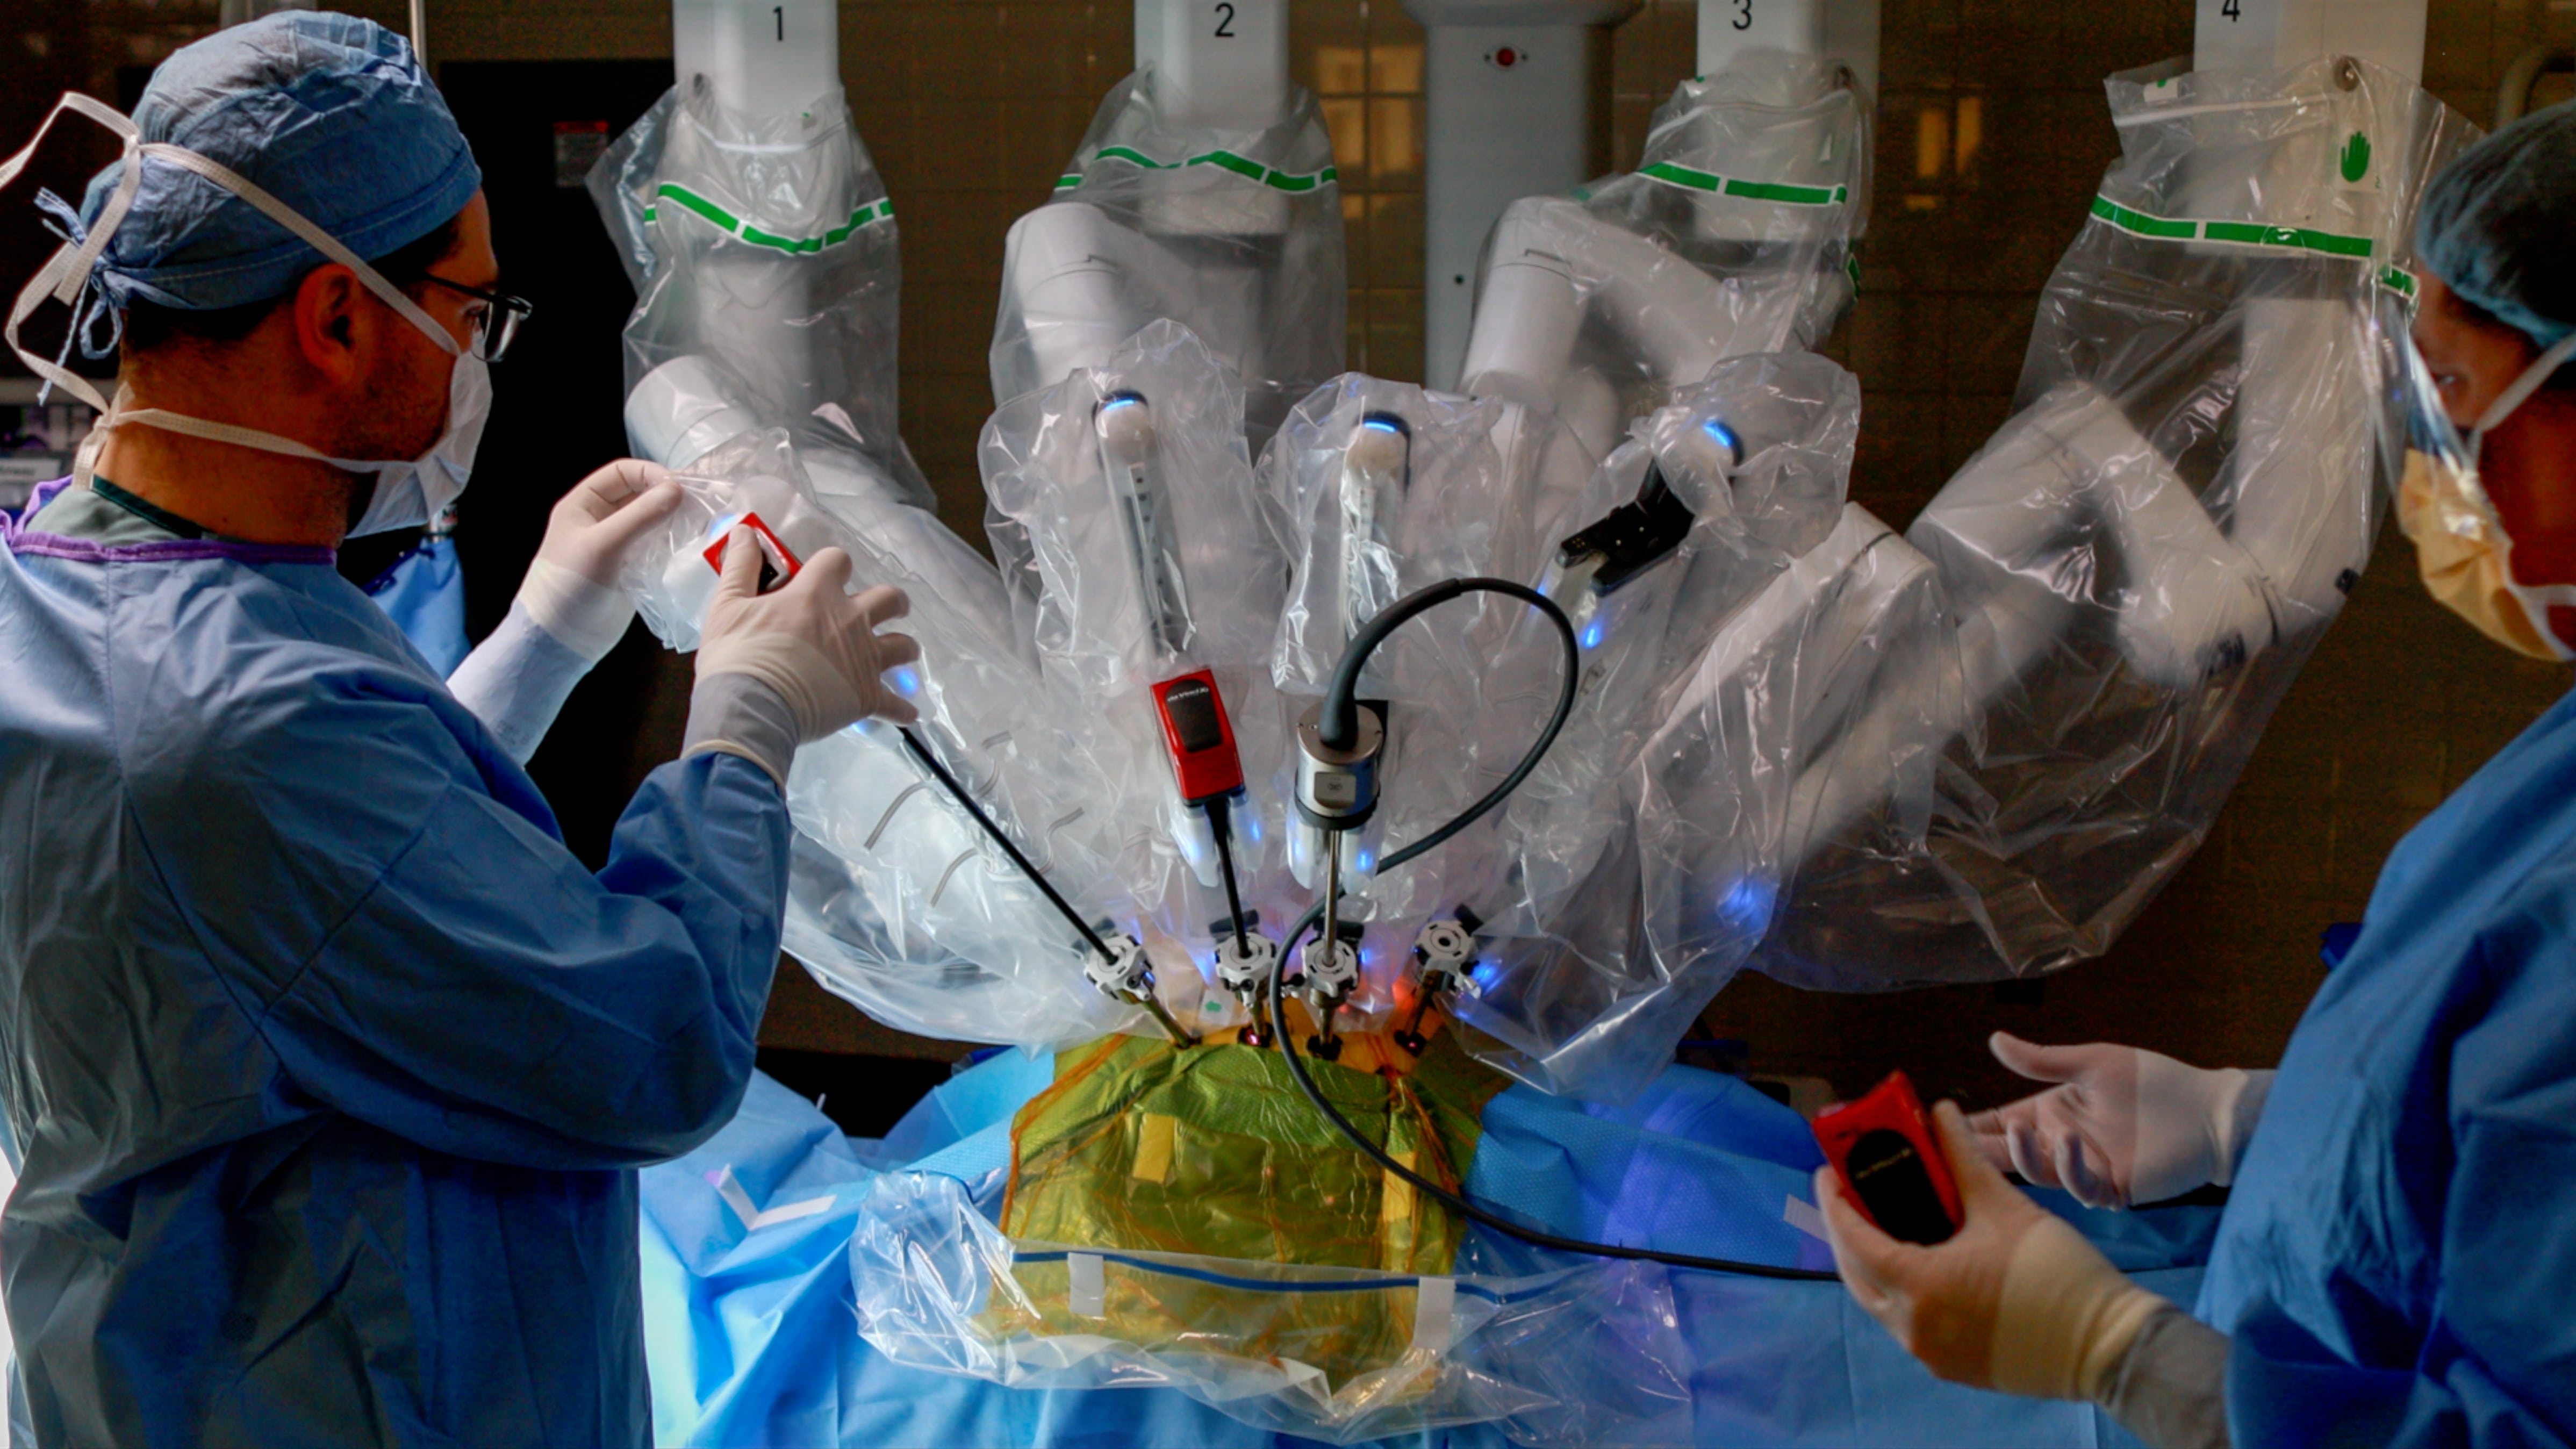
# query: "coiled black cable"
{"points": [[1339, 729], [1345, 688], [1339, 723]]}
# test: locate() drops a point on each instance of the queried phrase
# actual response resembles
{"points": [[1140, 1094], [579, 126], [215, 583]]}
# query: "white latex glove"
{"points": [[571, 591], [810, 640], [2124, 1125], [2017, 1300]]}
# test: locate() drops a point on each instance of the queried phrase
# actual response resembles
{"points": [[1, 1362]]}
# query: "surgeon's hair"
{"points": [[149, 325]]}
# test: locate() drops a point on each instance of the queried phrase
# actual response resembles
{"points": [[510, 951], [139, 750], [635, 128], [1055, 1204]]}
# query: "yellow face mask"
{"points": [[2461, 551], [2461, 547]]}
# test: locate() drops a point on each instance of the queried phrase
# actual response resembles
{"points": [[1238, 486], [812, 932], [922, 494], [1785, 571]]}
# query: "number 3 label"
{"points": [[1744, 14]]}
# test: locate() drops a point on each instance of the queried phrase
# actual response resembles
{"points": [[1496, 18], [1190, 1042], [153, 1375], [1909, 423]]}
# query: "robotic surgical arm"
{"points": [[1731, 238], [1085, 279], [2133, 568], [1203, 194]]}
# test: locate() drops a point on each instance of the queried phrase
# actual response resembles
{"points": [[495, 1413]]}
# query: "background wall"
{"points": [[1992, 134]]}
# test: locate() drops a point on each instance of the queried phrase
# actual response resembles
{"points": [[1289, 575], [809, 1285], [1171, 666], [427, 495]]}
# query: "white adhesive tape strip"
{"points": [[1089, 1295], [1805, 1216], [1433, 1300], [730, 1189]]}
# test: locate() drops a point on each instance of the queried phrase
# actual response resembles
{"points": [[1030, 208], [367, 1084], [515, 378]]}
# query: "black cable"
{"points": [[957, 792], [1223, 828], [1339, 726], [1457, 1202]]}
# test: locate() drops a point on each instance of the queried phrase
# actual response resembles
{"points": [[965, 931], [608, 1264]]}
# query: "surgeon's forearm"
{"points": [[2171, 1388], [517, 680]]}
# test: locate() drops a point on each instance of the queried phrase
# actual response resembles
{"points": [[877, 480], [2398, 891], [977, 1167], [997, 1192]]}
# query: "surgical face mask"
{"points": [[407, 492], [2461, 547]]}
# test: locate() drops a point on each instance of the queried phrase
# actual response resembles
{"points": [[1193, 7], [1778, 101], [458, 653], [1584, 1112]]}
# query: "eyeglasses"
{"points": [[497, 325]]}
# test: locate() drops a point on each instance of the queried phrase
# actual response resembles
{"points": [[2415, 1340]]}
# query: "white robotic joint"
{"points": [[1245, 964], [1330, 975], [1124, 973], [1337, 789], [1446, 948]]}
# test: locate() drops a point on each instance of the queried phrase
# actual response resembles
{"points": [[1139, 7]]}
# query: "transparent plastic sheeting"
{"points": [[1236, 235], [1122, 502], [896, 900], [1732, 236], [1388, 489], [1578, 1356], [765, 263], [770, 1250], [1643, 857], [2135, 566]]}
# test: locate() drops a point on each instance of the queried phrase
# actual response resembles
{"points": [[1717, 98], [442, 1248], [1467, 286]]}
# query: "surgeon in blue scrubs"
{"points": [[327, 1066], [2397, 1262]]}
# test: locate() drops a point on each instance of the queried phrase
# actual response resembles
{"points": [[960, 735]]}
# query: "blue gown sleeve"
{"points": [[387, 900], [2494, 1172]]}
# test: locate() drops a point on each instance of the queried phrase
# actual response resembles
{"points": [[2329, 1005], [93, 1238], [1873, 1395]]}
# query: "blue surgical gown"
{"points": [[2398, 1260], [329, 1066]]}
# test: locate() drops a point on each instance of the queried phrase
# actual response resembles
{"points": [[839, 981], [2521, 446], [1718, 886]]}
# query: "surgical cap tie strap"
{"points": [[2542, 368], [93, 306], [68, 271], [212, 431], [304, 230]]}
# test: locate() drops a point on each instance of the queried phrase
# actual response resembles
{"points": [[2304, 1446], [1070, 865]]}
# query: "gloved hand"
{"points": [[2123, 1125], [809, 640], [571, 590], [2017, 1300]]}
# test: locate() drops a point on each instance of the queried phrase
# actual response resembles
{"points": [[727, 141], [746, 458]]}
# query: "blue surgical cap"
{"points": [[2498, 225], [329, 113]]}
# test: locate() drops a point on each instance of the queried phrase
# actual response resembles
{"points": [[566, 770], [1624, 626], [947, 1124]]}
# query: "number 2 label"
{"points": [[1225, 21]]}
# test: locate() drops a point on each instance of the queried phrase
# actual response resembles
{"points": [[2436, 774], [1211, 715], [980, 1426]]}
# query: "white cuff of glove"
{"points": [[2066, 1317], [585, 617], [742, 715]]}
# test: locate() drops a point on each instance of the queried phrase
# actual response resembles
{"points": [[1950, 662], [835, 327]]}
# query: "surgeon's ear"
{"points": [[328, 322]]}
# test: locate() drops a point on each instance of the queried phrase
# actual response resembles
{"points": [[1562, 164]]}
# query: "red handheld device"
{"points": [[1891, 1164], [1199, 736], [777, 565]]}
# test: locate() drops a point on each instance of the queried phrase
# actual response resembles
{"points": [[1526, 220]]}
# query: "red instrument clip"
{"points": [[1199, 736], [1891, 1164], [777, 565]]}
